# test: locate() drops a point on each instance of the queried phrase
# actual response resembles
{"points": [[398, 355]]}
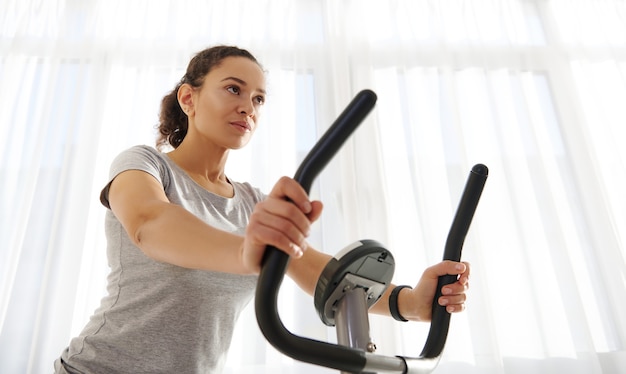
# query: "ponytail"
{"points": [[173, 121]]}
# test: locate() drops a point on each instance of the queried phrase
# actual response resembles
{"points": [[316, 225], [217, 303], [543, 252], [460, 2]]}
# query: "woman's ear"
{"points": [[185, 99]]}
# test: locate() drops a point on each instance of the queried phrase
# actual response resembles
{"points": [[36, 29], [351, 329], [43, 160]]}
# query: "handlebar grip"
{"points": [[332, 140], [275, 262], [440, 322]]}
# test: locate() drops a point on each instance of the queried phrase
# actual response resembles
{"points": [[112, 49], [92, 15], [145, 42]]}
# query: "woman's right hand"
{"points": [[283, 220]]}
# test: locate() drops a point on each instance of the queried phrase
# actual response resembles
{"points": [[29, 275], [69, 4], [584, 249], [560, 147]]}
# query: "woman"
{"points": [[185, 242]]}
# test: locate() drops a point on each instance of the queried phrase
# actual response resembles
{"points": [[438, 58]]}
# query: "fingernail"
{"points": [[450, 309], [444, 302], [307, 207], [446, 291], [297, 251], [459, 267]]}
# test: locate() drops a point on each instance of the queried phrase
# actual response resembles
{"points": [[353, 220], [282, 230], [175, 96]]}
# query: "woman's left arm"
{"points": [[414, 304], [306, 270]]}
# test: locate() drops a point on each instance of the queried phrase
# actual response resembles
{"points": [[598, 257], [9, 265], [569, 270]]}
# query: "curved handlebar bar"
{"points": [[440, 321], [275, 264]]}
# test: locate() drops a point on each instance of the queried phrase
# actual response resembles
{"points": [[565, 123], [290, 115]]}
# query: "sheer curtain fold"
{"points": [[533, 89]]}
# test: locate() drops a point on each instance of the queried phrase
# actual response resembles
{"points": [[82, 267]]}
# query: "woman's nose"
{"points": [[247, 108]]}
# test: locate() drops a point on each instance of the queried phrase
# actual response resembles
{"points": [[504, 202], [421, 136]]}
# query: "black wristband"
{"points": [[393, 304]]}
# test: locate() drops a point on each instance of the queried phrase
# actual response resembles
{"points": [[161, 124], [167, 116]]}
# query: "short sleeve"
{"points": [[141, 158]]}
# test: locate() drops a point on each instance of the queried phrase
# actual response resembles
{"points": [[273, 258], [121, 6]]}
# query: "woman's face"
{"points": [[226, 108]]}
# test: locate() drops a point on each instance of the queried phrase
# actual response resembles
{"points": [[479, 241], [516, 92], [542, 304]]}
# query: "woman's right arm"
{"points": [[168, 233]]}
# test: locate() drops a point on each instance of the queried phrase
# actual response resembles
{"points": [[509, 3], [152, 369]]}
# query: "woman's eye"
{"points": [[233, 89], [260, 100]]}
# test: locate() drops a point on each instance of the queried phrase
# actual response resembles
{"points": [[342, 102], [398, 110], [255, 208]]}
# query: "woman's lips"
{"points": [[243, 125]]}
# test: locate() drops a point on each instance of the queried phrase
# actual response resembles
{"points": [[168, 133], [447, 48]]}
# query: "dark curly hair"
{"points": [[172, 120]]}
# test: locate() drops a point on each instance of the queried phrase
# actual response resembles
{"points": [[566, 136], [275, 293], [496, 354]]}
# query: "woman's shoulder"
{"points": [[141, 150], [139, 156]]}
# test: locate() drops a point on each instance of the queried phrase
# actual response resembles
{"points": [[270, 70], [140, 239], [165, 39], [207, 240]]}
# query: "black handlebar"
{"points": [[275, 264], [440, 321], [275, 261]]}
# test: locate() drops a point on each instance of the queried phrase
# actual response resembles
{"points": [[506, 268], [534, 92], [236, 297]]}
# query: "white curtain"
{"points": [[533, 89]]}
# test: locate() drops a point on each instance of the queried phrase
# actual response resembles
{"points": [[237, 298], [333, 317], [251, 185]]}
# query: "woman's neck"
{"points": [[205, 167]]}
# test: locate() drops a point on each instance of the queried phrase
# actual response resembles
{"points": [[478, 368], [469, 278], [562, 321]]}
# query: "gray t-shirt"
{"points": [[157, 317]]}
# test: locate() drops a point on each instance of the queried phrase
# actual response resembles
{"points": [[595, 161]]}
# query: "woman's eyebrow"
{"points": [[241, 82]]}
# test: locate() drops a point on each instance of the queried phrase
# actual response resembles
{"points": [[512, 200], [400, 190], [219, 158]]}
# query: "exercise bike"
{"points": [[355, 278]]}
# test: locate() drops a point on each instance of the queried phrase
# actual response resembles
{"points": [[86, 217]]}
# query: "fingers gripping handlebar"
{"points": [[275, 264]]}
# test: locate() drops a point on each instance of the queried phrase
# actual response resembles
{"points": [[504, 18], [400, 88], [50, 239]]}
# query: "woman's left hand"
{"points": [[416, 304]]}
